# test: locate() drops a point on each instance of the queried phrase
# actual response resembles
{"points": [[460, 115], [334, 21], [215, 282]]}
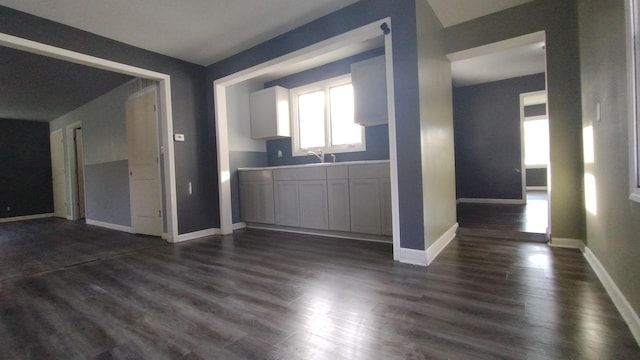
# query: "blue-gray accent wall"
{"points": [[195, 159], [405, 70], [487, 137], [25, 168]]}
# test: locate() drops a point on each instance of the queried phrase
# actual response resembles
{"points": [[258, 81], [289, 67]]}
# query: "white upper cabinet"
{"points": [[370, 91], [270, 113]]}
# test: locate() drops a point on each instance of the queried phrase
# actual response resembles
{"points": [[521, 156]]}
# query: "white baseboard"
{"points": [[537, 188], [109, 225], [619, 300], [434, 250], [195, 235], [413, 257], [239, 225], [25, 217], [567, 243], [491, 201], [326, 233]]}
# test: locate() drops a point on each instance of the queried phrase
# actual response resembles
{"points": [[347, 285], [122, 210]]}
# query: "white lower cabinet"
{"points": [[287, 203], [256, 201], [364, 195], [313, 204], [386, 222], [338, 198], [348, 198], [338, 201]]}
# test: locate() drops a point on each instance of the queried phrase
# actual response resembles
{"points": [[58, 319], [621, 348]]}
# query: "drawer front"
{"points": [[369, 171], [255, 175], [338, 172], [310, 173]]}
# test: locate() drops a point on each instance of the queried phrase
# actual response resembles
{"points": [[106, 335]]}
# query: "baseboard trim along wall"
{"points": [[327, 233], [434, 250], [491, 201], [25, 217], [239, 225], [537, 188], [413, 257], [618, 298], [567, 243], [196, 235], [109, 225]]}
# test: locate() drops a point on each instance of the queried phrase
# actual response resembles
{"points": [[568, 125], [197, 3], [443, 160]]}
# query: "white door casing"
{"points": [[57, 174], [79, 147], [144, 169]]}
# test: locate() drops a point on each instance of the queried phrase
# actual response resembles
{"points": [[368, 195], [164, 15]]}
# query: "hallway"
{"points": [[525, 222]]}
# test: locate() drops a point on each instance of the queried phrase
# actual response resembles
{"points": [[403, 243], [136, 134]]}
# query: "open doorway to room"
{"points": [[77, 165], [500, 179]]}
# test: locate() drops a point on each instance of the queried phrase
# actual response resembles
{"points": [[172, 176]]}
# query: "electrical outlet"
{"points": [[8, 208]]}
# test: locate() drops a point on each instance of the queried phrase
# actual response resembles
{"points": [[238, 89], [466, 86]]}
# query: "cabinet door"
{"points": [[313, 204], [386, 222], [364, 195], [247, 199], [256, 202], [338, 201], [287, 212], [264, 202], [370, 91], [270, 113]]}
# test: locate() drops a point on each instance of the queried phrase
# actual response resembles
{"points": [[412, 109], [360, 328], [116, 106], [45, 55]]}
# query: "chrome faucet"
{"points": [[333, 157], [319, 155]]}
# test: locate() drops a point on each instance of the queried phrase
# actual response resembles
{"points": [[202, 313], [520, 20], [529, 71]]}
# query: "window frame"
{"points": [[323, 85], [633, 60]]}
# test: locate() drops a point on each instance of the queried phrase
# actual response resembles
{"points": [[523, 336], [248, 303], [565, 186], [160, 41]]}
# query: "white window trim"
{"points": [[533, 118], [295, 136], [633, 40]]}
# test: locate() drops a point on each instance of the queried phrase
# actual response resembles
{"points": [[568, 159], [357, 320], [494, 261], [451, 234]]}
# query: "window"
{"points": [[323, 118], [536, 142], [633, 44]]}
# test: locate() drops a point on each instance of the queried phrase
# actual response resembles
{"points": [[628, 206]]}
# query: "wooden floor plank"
{"points": [[266, 295]]}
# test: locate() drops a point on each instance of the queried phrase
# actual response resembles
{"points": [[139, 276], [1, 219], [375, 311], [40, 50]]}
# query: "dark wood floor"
{"points": [[507, 221], [268, 295]]}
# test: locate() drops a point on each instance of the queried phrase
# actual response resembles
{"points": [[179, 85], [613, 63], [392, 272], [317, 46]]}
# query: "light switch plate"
{"points": [[178, 137]]}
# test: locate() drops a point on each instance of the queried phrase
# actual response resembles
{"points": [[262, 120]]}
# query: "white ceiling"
{"points": [[452, 12], [520, 56], [198, 31], [205, 31]]}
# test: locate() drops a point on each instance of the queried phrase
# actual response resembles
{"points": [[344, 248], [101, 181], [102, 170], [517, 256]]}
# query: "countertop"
{"points": [[364, 162]]}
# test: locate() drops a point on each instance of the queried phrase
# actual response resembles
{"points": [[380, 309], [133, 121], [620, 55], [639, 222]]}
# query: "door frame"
{"points": [[355, 36], [64, 171], [73, 212], [165, 105]]}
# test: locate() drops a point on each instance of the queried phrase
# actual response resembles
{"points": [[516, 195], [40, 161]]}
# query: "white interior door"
{"points": [[57, 172], [144, 171], [80, 171]]}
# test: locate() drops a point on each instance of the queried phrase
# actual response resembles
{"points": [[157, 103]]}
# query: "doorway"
{"points": [[489, 123], [166, 116]]}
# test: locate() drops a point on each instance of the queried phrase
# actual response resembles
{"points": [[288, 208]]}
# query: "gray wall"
{"points": [[436, 127], [405, 68], [25, 168], [195, 158], [558, 18], [104, 130], [487, 137], [612, 231]]}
